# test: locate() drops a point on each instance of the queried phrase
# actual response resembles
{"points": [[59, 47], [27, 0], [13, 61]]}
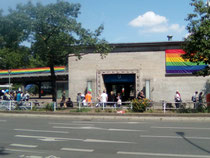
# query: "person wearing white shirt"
{"points": [[104, 98]]}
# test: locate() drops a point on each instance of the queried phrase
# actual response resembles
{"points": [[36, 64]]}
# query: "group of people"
{"points": [[64, 103], [197, 99], [84, 100], [14, 95], [103, 99]]}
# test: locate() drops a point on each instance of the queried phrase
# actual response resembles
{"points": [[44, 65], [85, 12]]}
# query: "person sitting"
{"points": [[141, 95], [69, 103]]}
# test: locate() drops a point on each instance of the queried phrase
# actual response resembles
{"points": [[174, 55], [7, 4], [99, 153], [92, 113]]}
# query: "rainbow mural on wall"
{"points": [[32, 70], [175, 64]]}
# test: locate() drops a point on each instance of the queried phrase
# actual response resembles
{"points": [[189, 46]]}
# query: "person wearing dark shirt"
{"points": [[112, 99], [69, 103], [141, 95], [200, 97]]}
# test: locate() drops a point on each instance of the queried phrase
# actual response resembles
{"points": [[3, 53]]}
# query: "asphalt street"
{"points": [[43, 137]]}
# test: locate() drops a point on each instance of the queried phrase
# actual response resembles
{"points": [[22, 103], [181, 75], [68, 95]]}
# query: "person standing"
{"points": [[18, 98], [119, 100], [27, 96], [177, 99], [79, 99], [88, 98], [104, 98], [195, 99], [63, 99], [200, 97], [112, 99]]}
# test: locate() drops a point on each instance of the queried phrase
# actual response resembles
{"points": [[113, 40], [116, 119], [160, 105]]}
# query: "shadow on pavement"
{"points": [[2, 152], [181, 134]]}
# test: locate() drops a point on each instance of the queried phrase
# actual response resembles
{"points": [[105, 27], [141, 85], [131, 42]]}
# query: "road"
{"points": [[40, 137]]}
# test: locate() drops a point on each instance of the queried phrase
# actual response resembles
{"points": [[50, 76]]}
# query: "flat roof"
{"points": [[144, 46]]}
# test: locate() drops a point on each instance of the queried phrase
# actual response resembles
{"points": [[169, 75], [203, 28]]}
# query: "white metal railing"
{"points": [[21, 105], [105, 105], [164, 105], [183, 105]]}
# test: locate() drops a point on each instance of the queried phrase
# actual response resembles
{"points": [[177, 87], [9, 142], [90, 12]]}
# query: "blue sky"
{"points": [[129, 21]]}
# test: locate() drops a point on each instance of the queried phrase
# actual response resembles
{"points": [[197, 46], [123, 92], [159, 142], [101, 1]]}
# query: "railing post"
{"points": [[164, 107], [10, 105], [79, 105], [31, 105], [54, 105], [131, 106]]}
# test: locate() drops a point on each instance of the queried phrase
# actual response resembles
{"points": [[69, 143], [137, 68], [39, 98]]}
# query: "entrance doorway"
{"points": [[123, 84]]}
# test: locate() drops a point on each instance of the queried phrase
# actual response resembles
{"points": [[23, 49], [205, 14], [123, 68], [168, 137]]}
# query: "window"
{"points": [[148, 89]]}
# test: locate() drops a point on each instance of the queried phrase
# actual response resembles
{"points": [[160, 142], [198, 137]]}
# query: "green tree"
{"points": [[197, 44], [12, 33], [11, 59], [55, 33]]}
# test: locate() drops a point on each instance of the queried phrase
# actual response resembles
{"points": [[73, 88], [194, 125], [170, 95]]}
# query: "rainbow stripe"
{"points": [[175, 64], [32, 70]]}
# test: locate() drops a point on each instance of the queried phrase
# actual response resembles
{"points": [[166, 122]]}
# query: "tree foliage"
{"points": [[13, 32], [54, 33], [197, 44], [11, 59]]}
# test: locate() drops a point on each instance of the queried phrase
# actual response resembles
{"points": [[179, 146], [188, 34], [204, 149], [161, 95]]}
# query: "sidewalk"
{"points": [[128, 116]]}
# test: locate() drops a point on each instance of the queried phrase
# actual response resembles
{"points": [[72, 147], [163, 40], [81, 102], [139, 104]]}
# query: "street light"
{"points": [[10, 106], [9, 71]]}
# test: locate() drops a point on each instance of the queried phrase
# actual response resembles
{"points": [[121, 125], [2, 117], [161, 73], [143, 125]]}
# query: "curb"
{"points": [[91, 116]]}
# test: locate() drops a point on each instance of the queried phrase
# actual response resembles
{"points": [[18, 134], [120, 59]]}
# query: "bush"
{"points": [[98, 110], [110, 110], [84, 110], [140, 105], [49, 107]]}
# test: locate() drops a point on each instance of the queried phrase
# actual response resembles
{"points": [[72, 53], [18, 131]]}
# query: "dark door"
{"points": [[120, 83]]}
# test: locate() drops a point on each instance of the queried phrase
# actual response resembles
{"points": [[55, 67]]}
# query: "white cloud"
{"points": [[153, 23], [148, 19], [156, 29], [176, 28]]}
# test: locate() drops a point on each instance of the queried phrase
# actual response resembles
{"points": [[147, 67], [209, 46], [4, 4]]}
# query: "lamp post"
{"points": [[9, 71], [10, 106]]}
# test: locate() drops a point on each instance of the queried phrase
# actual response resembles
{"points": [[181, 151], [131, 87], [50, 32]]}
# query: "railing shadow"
{"points": [[182, 134], [2, 152]]}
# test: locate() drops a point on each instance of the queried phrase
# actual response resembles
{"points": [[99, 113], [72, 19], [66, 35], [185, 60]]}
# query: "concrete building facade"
{"points": [[130, 68]]}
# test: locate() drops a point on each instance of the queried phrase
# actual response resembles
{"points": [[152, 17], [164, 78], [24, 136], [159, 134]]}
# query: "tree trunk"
{"points": [[53, 83]]}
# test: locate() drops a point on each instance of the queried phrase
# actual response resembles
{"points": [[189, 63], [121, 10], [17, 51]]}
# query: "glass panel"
{"points": [[89, 85], [148, 89], [62, 86]]}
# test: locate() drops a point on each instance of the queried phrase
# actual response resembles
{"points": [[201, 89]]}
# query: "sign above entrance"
{"points": [[119, 78]]}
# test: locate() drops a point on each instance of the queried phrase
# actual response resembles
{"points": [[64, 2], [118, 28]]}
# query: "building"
{"points": [[131, 67], [39, 78]]}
